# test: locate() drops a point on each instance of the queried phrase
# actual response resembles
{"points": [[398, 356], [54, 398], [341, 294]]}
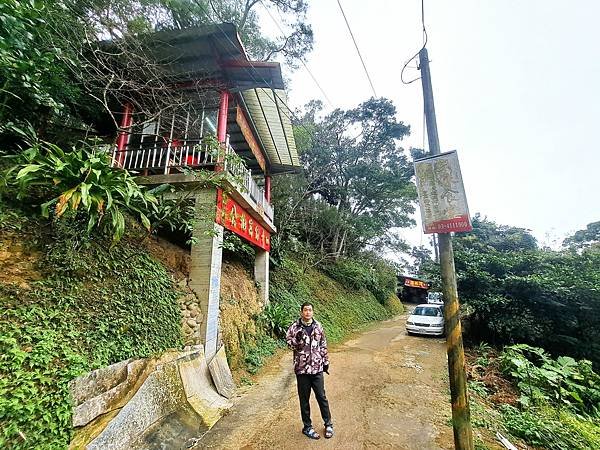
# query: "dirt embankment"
{"points": [[18, 260], [239, 306]]}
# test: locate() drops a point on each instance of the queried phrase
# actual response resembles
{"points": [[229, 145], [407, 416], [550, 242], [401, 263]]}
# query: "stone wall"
{"points": [[191, 316], [149, 403]]}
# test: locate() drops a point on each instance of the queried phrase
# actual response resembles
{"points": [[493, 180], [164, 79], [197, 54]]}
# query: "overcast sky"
{"points": [[517, 93]]}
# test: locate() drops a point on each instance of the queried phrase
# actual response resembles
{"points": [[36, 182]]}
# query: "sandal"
{"points": [[328, 432], [311, 433]]}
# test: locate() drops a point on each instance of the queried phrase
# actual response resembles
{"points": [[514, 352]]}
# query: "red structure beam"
{"points": [[268, 188], [222, 120], [126, 122]]}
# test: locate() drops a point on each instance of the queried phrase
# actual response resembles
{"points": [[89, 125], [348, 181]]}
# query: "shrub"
{"points": [[256, 353], [562, 381], [376, 276], [340, 307], [543, 428], [80, 181], [279, 314]]}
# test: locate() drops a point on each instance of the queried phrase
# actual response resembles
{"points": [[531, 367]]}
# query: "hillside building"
{"points": [[242, 105]]}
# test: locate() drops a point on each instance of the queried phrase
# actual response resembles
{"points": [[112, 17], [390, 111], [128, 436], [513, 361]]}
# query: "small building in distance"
{"points": [[412, 290]]}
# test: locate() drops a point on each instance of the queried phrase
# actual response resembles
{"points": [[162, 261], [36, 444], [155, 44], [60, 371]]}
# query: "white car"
{"points": [[426, 319]]}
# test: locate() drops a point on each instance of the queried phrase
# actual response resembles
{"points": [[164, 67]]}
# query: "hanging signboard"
{"points": [[409, 282], [234, 217], [442, 194]]}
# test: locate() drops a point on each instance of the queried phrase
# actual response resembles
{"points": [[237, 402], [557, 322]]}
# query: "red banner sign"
{"points": [[416, 283], [457, 224], [234, 217]]}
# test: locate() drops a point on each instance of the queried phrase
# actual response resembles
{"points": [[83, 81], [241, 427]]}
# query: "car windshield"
{"points": [[424, 311]]}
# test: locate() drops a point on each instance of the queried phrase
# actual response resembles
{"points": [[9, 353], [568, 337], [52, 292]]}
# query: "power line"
{"points": [[301, 61], [357, 50], [422, 47]]}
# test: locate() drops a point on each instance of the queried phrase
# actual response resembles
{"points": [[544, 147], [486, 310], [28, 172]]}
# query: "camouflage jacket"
{"points": [[310, 352]]}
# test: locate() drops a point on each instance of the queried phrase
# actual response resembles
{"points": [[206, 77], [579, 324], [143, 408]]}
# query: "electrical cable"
{"points": [[357, 50], [301, 61], [422, 47]]}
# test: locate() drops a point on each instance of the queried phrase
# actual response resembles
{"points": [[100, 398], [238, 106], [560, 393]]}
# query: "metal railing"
{"points": [[243, 176], [194, 154], [162, 159]]}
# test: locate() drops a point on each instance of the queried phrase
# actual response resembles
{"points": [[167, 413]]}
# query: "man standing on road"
{"points": [[307, 338]]}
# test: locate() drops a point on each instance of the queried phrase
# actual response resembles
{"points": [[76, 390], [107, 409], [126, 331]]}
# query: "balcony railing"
{"points": [[244, 175], [192, 155], [162, 159]]}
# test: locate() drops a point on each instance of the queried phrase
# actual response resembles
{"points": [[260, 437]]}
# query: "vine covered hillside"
{"points": [[340, 306], [69, 305]]}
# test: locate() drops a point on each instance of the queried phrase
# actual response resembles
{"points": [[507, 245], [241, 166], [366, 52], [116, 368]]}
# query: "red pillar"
{"points": [[126, 122], [222, 120], [268, 188]]}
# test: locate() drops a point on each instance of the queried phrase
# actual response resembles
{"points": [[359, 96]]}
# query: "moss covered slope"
{"points": [[72, 305], [341, 308]]}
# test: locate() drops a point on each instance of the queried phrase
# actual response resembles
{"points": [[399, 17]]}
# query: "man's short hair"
{"points": [[306, 304]]}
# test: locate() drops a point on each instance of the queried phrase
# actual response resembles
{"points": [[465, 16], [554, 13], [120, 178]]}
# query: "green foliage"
{"points": [[585, 239], [243, 251], [563, 382], [550, 415], [340, 308], [277, 316], [543, 428], [479, 388], [356, 185], [92, 307], [81, 185], [80, 181], [34, 69], [372, 274], [53, 76], [513, 292], [256, 353]]}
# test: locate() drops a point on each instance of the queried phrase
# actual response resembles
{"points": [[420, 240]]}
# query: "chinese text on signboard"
{"points": [[416, 283], [232, 216], [441, 194]]}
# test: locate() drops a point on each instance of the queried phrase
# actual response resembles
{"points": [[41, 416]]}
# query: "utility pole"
{"points": [[461, 418]]}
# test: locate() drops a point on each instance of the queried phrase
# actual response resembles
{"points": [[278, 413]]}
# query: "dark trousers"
{"points": [[316, 383]]}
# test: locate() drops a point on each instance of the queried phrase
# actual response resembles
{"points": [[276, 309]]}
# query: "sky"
{"points": [[517, 92]]}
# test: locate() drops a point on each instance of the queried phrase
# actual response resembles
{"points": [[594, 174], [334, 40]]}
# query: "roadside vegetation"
{"points": [[70, 303], [531, 319], [334, 221], [534, 399]]}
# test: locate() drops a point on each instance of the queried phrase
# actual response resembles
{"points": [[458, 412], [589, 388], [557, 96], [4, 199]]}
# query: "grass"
{"points": [[341, 310]]}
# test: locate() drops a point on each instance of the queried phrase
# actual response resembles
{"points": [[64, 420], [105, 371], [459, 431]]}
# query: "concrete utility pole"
{"points": [[461, 418]]}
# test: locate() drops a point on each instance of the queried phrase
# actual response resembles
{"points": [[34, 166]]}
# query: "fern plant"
{"points": [[81, 181]]}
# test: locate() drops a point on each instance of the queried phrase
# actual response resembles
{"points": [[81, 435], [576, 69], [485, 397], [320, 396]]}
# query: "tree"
{"points": [[121, 18], [57, 75], [357, 184], [513, 292], [35, 84], [585, 239]]}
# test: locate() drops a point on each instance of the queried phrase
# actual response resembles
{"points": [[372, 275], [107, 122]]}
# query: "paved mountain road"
{"points": [[386, 391]]}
